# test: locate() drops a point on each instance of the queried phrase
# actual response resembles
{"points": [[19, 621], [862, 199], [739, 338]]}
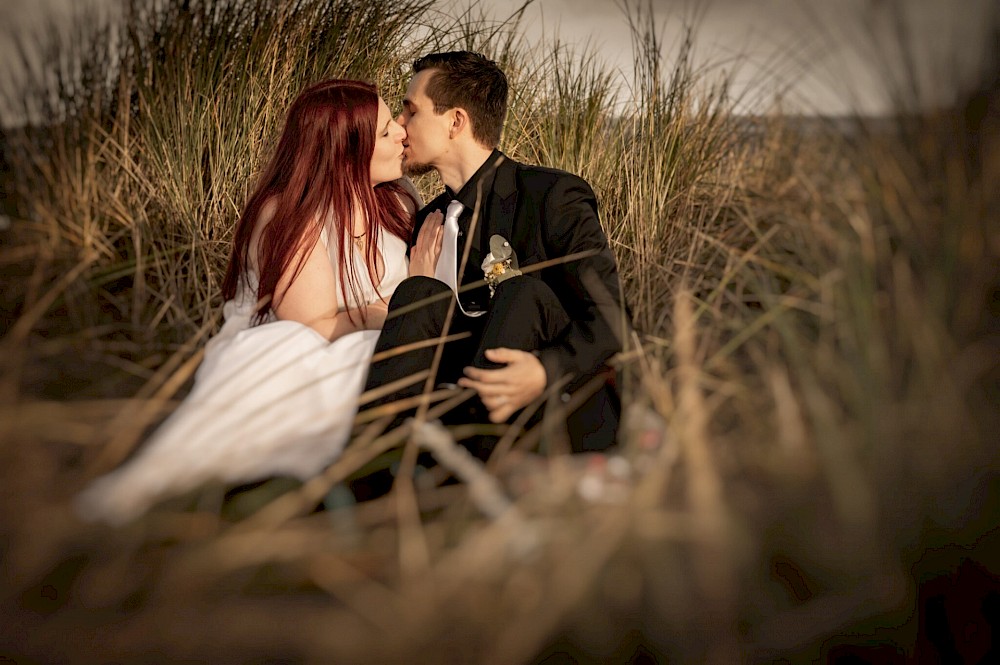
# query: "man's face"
{"points": [[427, 133]]}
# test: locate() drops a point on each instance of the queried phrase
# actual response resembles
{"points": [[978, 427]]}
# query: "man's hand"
{"points": [[507, 389], [425, 252]]}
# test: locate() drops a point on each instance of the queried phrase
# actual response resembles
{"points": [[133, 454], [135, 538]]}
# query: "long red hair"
{"points": [[321, 167]]}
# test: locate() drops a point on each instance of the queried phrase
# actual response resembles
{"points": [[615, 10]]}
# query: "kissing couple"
{"points": [[341, 286]]}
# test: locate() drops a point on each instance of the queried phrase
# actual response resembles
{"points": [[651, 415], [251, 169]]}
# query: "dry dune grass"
{"points": [[811, 390]]}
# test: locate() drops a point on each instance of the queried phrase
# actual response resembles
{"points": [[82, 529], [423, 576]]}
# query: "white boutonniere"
{"points": [[500, 263]]}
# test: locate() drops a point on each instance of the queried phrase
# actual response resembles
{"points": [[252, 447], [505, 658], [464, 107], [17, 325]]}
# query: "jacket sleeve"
{"points": [[587, 283]]}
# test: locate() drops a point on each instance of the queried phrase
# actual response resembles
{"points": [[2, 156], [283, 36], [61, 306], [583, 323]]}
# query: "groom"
{"points": [[552, 327]]}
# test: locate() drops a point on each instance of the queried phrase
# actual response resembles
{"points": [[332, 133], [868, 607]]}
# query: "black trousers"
{"points": [[524, 314]]}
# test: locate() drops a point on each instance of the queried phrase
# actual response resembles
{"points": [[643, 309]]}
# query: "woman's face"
{"points": [[387, 158]]}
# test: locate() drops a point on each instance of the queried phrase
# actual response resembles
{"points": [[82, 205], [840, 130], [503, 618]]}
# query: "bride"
{"points": [[319, 248]]}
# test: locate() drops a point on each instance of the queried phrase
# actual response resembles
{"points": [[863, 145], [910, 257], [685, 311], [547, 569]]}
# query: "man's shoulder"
{"points": [[538, 177], [537, 170]]}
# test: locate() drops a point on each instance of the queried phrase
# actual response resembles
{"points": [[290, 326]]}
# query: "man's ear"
{"points": [[459, 122]]}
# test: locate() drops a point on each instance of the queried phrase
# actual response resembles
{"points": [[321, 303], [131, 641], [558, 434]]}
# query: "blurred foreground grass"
{"points": [[811, 394]]}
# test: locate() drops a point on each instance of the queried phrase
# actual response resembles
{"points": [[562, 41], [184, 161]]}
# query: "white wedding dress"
{"points": [[272, 399]]}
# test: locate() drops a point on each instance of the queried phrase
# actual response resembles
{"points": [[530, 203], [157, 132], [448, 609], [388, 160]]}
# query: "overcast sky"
{"points": [[819, 54]]}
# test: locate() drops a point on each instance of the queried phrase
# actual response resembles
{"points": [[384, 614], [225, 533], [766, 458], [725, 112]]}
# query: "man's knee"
{"points": [[528, 297], [523, 288], [419, 290]]}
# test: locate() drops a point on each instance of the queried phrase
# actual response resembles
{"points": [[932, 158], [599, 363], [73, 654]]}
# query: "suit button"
{"points": [[460, 234]]}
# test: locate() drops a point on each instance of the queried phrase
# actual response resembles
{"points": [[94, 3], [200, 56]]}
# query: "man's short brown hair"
{"points": [[470, 81]]}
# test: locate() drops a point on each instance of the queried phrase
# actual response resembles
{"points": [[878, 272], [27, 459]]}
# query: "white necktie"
{"points": [[447, 266]]}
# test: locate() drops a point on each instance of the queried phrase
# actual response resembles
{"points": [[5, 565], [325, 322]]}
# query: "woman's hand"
{"points": [[424, 254]]}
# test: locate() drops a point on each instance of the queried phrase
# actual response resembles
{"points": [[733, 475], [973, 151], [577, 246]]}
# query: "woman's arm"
{"points": [[311, 297]]}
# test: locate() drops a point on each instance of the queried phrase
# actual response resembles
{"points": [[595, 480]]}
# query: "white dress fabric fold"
{"points": [[271, 399]]}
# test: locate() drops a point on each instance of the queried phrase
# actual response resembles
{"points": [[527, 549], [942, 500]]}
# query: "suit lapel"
{"points": [[503, 203]]}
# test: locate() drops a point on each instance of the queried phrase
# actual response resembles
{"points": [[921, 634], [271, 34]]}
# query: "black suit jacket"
{"points": [[550, 215]]}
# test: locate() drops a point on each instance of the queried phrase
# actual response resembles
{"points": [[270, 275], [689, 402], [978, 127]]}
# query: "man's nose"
{"points": [[400, 120]]}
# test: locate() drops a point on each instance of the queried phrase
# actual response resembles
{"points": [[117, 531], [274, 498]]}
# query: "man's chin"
{"points": [[415, 168]]}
